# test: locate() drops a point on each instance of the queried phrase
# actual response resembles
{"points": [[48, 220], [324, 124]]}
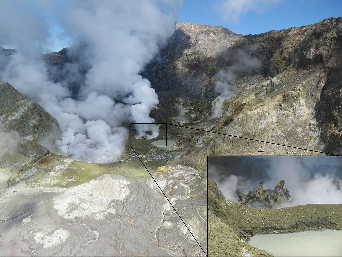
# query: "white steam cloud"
{"points": [[114, 40], [230, 10], [310, 180], [229, 185], [245, 63], [306, 187], [8, 144]]}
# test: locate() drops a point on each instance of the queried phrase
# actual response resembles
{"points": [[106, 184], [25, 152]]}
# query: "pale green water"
{"points": [[308, 243], [161, 144]]}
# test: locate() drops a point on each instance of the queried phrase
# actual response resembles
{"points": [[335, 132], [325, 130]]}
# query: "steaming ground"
{"points": [[95, 97], [310, 180], [224, 86], [8, 144]]}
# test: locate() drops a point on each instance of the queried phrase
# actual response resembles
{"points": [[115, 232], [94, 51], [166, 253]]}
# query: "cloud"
{"points": [[23, 25], [230, 10], [93, 97]]}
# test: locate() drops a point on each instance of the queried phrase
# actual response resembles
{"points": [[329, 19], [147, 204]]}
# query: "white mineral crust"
{"points": [[92, 199], [58, 237]]}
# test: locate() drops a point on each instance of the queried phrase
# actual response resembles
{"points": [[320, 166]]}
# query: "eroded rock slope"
{"points": [[291, 95]]}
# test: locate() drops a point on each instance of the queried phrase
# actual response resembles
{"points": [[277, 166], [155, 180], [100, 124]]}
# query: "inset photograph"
{"points": [[274, 206]]}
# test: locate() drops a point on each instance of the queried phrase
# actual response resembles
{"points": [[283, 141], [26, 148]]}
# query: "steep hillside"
{"points": [[24, 128], [285, 89], [279, 86]]}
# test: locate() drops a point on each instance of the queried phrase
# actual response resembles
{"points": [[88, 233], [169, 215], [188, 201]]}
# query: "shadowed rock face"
{"points": [[190, 58], [24, 125], [21, 114], [292, 98], [266, 198]]}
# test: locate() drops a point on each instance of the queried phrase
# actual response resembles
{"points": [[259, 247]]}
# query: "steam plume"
{"points": [[245, 63], [310, 180], [8, 144], [113, 41]]}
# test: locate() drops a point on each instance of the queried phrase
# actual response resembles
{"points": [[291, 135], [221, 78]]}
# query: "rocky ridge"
{"points": [[291, 99], [25, 127], [282, 99]]}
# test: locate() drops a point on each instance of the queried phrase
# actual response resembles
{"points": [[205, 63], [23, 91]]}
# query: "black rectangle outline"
{"points": [[147, 123]]}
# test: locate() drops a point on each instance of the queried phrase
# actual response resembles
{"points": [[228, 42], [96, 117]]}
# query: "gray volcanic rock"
{"points": [[291, 98], [21, 114], [183, 73], [24, 125], [189, 60], [52, 205], [267, 198], [109, 215]]}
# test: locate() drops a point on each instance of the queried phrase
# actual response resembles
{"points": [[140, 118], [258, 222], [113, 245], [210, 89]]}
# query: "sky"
{"points": [[240, 16], [258, 16]]}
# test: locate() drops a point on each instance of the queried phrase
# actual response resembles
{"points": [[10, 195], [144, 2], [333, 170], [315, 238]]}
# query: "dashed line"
{"points": [[256, 140], [169, 201]]}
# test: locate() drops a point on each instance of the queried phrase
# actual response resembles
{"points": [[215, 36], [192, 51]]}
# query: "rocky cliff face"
{"points": [[25, 127], [200, 51], [286, 89], [284, 98], [190, 59], [285, 85]]}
